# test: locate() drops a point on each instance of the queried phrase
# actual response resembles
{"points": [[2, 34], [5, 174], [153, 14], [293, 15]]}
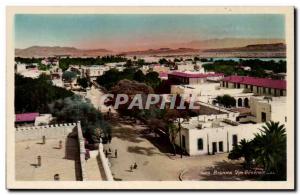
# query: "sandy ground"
{"points": [[64, 162], [154, 163]]}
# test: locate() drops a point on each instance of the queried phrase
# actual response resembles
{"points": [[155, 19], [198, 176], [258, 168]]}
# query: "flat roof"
{"points": [[195, 75], [64, 162]]}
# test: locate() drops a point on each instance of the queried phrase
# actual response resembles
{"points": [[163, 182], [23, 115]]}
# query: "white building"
{"points": [[93, 71], [32, 73], [43, 119], [50, 61], [208, 91], [263, 109], [186, 67], [210, 134], [20, 67], [120, 66]]}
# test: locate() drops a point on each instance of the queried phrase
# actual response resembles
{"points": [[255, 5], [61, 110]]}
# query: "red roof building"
{"points": [[163, 75], [261, 86], [193, 78], [26, 117]]}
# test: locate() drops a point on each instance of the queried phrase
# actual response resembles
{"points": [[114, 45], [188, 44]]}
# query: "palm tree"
{"points": [[243, 149], [270, 150]]}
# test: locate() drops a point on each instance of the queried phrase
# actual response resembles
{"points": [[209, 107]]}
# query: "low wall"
{"points": [[82, 152], [105, 164], [37, 132], [54, 131]]}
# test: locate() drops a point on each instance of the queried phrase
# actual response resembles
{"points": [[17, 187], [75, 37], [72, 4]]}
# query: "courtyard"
{"points": [[154, 159], [54, 160]]}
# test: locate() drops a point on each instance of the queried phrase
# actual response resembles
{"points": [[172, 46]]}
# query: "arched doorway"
{"points": [[246, 102], [240, 102]]}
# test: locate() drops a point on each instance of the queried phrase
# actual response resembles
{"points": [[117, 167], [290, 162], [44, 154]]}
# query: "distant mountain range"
{"points": [[45, 51], [275, 47], [211, 45], [227, 43], [162, 51]]}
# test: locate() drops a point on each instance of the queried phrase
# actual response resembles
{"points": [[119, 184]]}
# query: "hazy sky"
{"points": [[119, 32]]}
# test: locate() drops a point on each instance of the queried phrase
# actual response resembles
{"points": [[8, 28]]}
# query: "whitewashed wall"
{"points": [[37, 132], [210, 135]]}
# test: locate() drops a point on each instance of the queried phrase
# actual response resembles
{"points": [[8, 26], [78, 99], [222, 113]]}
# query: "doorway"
{"points": [[214, 147]]}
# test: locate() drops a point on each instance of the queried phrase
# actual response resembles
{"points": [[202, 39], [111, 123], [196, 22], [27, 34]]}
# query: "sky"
{"points": [[128, 31]]}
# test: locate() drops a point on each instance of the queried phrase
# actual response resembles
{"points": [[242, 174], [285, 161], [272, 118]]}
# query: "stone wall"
{"points": [[37, 132], [105, 164], [82, 152]]}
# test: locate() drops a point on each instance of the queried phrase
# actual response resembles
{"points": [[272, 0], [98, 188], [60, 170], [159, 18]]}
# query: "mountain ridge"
{"points": [[45, 51]]}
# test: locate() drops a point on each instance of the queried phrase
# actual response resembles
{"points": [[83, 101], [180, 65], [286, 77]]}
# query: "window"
{"points": [[285, 119], [263, 117], [183, 141], [200, 144], [270, 91], [234, 140], [281, 92], [220, 146], [240, 102]]}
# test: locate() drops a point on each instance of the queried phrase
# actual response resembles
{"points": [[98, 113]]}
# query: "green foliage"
{"points": [[69, 75], [244, 149], [43, 67], [226, 100], [34, 95], [163, 61], [267, 150], [113, 76], [28, 60], [176, 60], [64, 63], [109, 78], [129, 63], [73, 109], [83, 82], [258, 67], [270, 150], [196, 58], [140, 62], [139, 76], [152, 79]]}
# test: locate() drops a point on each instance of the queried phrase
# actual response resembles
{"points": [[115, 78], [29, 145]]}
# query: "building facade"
{"points": [[193, 78], [218, 133], [258, 86]]}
